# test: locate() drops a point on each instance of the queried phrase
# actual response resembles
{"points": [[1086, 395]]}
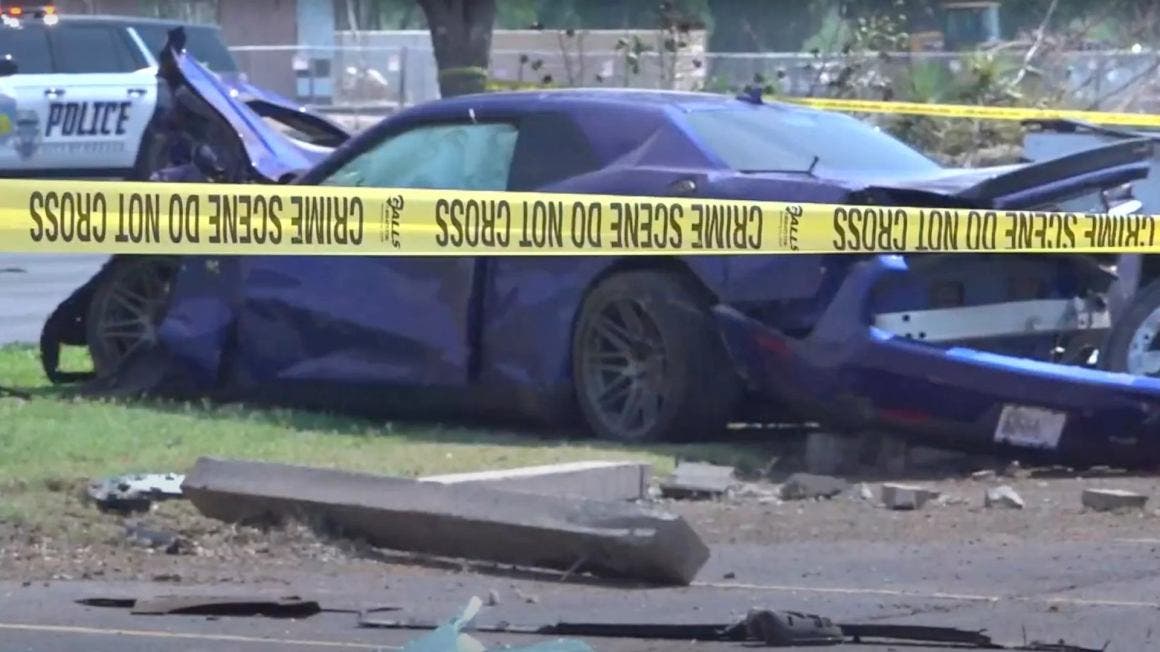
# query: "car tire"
{"points": [[647, 362], [1135, 333], [126, 309]]}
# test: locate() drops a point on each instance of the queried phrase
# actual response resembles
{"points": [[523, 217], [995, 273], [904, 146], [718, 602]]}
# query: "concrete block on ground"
{"points": [[616, 539], [591, 479], [1002, 496], [1107, 500], [801, 486], [905, 496], [696, 479]]}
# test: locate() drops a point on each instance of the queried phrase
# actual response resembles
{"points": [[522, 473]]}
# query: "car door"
{"points": [[379, 319], [101, 99], [22, 101]]}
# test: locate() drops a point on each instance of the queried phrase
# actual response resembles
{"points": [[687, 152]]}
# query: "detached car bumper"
{"points": [[848, 374]]}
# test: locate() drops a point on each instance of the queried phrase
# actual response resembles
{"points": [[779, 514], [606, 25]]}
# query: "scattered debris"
{"points": [[450, 637], [156, 539], [801, 486], [286, 607], [527, 597], [1015, 470], [617, 539], [698, 480], [985, 474], [864, 491], [597, 480], [1106, 500], [947, 500], [114, 603], [755, 490], [1002, 496], [772, 628], [202, 605], [134, 493], [905, 497]]}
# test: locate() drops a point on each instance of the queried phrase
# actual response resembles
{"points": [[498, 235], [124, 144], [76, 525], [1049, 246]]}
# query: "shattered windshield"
{"points": [[767, 139]]}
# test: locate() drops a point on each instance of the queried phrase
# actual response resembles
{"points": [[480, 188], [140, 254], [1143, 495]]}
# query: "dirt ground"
{"points": [[113, 547]]}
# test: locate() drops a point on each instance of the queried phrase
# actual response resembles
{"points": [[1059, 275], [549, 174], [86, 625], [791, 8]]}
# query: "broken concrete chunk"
{"points": [[904, 496], [593, 479], [1106, 500], [1003, 496], [698, 480], [617, 539], [802, 486], [865, 492]]}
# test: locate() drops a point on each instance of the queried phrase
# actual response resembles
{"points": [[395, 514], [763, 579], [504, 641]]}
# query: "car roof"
{"points": [[539, 99]]}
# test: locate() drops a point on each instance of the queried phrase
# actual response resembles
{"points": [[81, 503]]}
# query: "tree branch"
{"points": [[1034, 49]]}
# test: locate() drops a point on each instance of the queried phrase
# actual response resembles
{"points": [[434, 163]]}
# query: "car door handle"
{"points": [[137, 92], [54, 92]]}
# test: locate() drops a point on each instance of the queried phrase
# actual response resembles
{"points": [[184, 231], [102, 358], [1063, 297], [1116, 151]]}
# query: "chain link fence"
{"points": [[381, 75]]}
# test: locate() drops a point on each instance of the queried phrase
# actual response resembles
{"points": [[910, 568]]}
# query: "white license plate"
{"points": [[1030, 427]]}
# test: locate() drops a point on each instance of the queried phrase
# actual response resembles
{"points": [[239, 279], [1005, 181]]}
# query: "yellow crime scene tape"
{"points": [[977, 112], [217, 219]]}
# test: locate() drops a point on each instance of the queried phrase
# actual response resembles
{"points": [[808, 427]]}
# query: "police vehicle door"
{"points": [[87, 117]]}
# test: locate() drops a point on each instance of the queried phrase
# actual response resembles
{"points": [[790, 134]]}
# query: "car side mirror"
{"points": [[8, 66]]}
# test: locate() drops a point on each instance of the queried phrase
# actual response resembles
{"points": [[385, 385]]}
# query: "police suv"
{"points": [[78, 93]]}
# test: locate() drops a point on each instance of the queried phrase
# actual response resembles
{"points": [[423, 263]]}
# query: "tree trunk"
{"points": [[461, 36]]}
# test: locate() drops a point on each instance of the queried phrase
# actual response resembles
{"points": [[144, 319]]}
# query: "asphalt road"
{"points": [[32, 285], [1088, 593]]}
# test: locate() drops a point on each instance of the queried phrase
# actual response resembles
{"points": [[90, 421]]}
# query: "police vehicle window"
{"points": [[28, 47], [80, 49], [769, 139], [456, 156], [550, 148]]}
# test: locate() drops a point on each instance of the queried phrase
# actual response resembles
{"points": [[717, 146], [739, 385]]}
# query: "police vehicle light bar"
{"points": [[21, 10]]}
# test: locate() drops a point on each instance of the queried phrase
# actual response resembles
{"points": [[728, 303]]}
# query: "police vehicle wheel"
{"points": [[1133, 346], [126, 309], [647, 362]]}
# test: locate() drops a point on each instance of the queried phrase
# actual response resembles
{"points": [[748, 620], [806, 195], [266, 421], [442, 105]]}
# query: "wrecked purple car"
{"points": [[970, 351]]}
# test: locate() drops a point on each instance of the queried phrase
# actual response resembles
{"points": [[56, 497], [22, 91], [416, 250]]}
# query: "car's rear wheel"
{"points": [[1134, 343], [647, 362], [126, 309]]}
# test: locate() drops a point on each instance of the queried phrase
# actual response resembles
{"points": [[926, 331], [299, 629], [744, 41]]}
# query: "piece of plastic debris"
{"points": [[1003, 496], [135, 493]]}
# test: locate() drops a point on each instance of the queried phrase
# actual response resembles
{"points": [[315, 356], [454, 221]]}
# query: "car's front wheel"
{"points": [[647, 362], [126, 309]]}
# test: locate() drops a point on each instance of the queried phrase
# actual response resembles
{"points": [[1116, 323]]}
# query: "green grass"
{"points": [[51, 444]]}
